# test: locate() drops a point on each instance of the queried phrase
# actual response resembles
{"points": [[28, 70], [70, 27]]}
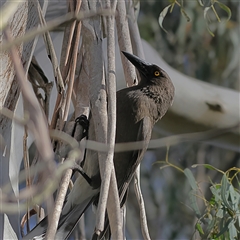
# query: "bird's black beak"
{"points": [[141, 65]]}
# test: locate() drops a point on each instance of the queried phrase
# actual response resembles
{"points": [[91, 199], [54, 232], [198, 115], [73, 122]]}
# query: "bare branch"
{"points": [[125, 43], [53, 223], [109, 183], [51, 53], [72, 69], [143, 218], [134, 31], [38, 123], [53, 24]]}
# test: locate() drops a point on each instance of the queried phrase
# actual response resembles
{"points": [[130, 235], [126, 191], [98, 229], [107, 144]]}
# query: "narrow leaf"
{"points": [[225, 192], [219, 213], [211, 222], [208, 166], [235, 197], [200, 3], [162, 16], [190, 178], [205, 17], [193, 203], [226, 9], [206, 9], [224, 228], [232, 231], [199, 228]]}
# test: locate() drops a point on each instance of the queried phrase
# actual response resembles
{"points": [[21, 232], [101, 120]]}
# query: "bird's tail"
{"points": [[77, 202]]}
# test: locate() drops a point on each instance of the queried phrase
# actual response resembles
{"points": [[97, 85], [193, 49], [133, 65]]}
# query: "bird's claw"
{"points": [[82, 121]]}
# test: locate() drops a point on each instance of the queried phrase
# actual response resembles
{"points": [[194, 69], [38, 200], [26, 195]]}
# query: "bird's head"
{"points": [[149, 73]]}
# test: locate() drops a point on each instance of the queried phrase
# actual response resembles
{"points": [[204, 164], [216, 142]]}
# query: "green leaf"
{"points": [[232, 231], [162, 16], [217, 194], [206, 9], [200, 3], [193, 203], [199, 228], [208, 166], [211, 223], [226, 9], [224, 228], [235, 198], [190, 178], [219, 213], [225, 191]]}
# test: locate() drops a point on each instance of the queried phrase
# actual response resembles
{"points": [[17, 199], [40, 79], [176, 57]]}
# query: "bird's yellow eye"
{"points": [[157, 73]]}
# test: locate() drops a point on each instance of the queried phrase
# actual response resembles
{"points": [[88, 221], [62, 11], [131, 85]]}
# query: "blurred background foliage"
{"points": [[190, 48]]}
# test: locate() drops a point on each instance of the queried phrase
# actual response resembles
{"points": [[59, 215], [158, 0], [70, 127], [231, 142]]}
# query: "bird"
{"points": [[138, 107]]}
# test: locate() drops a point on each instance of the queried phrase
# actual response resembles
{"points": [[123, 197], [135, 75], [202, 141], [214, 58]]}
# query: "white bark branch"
{"points": [[124, 42], [138, 192], [113, 204], [97, 92]]}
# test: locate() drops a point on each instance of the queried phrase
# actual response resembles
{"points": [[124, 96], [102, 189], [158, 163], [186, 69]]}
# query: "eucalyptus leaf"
{"points": [[217, 193], [190, 178], [206, 9], [200, 3], [162, 16], [208, 166], [235, 198], [206, 20], [232, 231], [225, 192], [199, 228], [220, 213], [211, 223], [226, 9], [223, 228], [193, 203]]}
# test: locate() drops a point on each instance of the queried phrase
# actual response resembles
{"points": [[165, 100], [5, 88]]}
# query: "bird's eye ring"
{"points": [[156, 73]]}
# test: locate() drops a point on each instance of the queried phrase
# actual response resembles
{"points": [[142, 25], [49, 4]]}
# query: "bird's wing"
{"points": [[38, 232], [144, 134], [72, 211]]}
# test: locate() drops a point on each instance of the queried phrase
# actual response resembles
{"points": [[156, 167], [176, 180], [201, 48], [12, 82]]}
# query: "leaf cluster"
{"points": [[221, 216], [211, 6]]}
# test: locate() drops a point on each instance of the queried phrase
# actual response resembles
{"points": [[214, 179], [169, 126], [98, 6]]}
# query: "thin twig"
{"points": [[143, 218], [72, 70], [27, 167], [71, 28], [53, 223], [38, 123], [138, 50], [109, 183], [39, 192], [69, 17], [97, 93], [134, 31], [52, 54]]}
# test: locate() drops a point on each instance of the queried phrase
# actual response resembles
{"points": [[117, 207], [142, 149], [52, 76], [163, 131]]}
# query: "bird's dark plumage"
{"points": [[138, 109]]}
